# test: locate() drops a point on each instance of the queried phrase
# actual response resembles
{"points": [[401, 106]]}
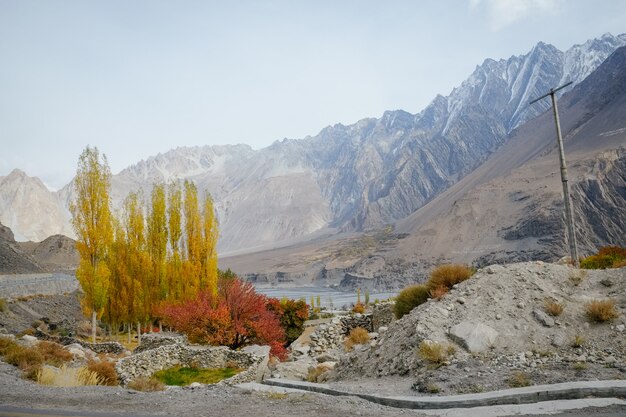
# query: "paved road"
{"points": [[611, 411]]}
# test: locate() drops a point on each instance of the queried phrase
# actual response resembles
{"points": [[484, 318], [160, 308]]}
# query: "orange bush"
{"points": [[105, 370], [53, 353], [358, 308], [448, 275]]}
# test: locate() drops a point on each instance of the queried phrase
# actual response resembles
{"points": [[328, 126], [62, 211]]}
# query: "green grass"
{"points": [[184, 376]]}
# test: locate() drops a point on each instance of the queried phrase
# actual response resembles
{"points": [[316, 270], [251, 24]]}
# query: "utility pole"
{"points": [[569, 217]]}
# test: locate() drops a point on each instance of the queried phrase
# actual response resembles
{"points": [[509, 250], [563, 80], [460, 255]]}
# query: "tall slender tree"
{"points": [[91, 219], [209, 246], [157, 242], [174, 210], [193, 241]]}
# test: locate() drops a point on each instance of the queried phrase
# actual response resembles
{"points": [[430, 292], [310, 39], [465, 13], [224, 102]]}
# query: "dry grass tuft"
{"points": [[439, 292], [53, 353], [315, 373], [105, 370], [357, 336], [601, 311], [578, 341], [435, 353], [552, 307], [3, 305], [25, 358], [448, 275], [519, 379], [6, 345], [146, 384], [577, 276], [68, 377], [358, 308]]}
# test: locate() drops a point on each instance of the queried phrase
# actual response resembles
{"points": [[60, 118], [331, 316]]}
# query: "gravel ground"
{"points": [[207, 400]]}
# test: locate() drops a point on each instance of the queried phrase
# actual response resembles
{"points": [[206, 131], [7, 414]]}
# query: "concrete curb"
{"points": [[526, 395]]}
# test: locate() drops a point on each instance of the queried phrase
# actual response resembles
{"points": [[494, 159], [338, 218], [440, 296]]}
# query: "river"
{"points": [[329, 298]]}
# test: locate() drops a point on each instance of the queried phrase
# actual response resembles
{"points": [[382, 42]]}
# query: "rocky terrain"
{"points": [[497, 324], [62, 310], [13, 260], [55, 254]]}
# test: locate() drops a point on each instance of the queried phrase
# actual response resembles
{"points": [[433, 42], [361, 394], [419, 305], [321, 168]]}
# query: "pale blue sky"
{"points": [[140, 77]]}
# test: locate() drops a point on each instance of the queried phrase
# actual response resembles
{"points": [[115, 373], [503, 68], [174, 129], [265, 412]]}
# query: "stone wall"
{"points": [[150, 361], [331, 335], [382, 315], [154, 340]]}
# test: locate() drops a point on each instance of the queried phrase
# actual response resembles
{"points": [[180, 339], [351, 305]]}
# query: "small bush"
{"points": [[435, 353], [519, 379], [578, 341], [146, 384], [607, 257], [68, 377], [3, 305], [6, 344], [438, 293], [358, 308], [600, 311], [105, 371], [448, 275], [580, 366], [315, 373], [409, 298], [53, 353], [25, 358], [357, 336], [553, 308], [577, 276]]}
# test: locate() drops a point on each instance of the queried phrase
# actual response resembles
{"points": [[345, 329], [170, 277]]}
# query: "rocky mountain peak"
{"points": [[351, 177]]}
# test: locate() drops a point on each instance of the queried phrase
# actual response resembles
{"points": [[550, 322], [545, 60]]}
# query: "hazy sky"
{"points": [[140, 77]]}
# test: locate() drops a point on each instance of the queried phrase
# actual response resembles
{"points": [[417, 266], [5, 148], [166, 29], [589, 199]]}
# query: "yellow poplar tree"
{"points": [[193, 241], [138, 259], [209, 246], [91, 219], [174, 210], [157, 242]]}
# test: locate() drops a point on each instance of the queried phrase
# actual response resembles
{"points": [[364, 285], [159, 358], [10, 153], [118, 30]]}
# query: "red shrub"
{"points": [[236, 317]]}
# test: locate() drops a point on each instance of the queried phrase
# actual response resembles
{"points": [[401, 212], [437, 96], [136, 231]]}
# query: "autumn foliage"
{"points": [[158, 250], [236, 316], [292, 314]]}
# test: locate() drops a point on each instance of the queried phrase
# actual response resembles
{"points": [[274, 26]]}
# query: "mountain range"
{"points": [[375, 179]]}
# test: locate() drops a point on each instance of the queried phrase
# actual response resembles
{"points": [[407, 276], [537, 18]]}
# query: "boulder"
{"points": [[30, 340], [473, 336], [263, 352], [543, 318], [326, 357]]}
